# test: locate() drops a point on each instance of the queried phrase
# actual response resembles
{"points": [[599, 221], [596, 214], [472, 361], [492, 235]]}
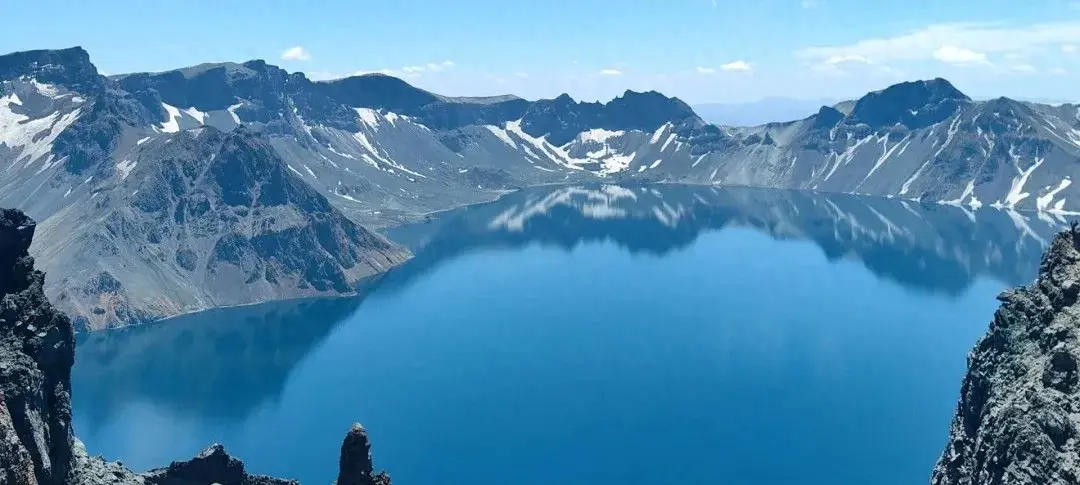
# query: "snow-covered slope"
{"points": [[384, 152], [139, 220]]}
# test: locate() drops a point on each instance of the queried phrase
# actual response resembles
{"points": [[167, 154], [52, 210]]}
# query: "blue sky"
{"points": [[699, 50]]}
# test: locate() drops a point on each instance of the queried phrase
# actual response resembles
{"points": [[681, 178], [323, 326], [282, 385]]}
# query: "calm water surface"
{"points": [[594, 335]]}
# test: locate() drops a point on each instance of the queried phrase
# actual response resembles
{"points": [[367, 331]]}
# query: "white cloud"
{"points": [[1024, 68], [848, 59], [521, 74], [742, 66], [951, 54], [438, 66], [952, 41], [808, 4], [611, 72], [297, 53], [705, 70], [1069, 48]]}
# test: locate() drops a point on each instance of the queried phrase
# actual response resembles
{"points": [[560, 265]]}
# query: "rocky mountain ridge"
{"points": [[148, 228], [37, 352], [384, 151], [77, 149]]}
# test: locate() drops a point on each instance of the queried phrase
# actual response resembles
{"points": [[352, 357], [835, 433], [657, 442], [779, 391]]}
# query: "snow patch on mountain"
{"points": [[172, 119], [501, 134], [125, 167], [598, 135], [368, 117], [1043, 202], [30, 138], [196, 114]]}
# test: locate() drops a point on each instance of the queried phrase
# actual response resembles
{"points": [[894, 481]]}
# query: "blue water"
{"points": [[758, 339]]}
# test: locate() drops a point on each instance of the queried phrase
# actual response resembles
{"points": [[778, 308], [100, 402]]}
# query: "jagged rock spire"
{"points": [[355, 466]]}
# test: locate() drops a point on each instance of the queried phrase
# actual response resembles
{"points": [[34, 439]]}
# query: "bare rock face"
{"points": [[355, 466], [1019, 409], [213, 465], [37, 351]]}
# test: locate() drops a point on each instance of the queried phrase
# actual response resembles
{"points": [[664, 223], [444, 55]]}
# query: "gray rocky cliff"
{"points": [[1019, 409], [37, 352]]}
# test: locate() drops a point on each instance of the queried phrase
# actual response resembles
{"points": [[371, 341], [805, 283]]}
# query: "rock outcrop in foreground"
{"points": [[1019, 409], [37, 351]]}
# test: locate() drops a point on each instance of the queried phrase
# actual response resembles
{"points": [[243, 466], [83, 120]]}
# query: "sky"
{"points": [[699, 50]]}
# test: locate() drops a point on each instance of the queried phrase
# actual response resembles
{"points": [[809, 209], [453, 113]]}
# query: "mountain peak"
{"points": [[921, 91], [914, 104], [564, 98], [650, 107], [69, 67]]}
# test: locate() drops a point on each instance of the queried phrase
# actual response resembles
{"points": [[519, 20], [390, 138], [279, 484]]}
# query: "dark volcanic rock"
{"points": [[37, 352], [213, 465], [71, 67], [914, 104], [355, 467], [1019, 408], [562, 118]]}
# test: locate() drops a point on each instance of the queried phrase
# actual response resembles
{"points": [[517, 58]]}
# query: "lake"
{"points": [[593, 335]]}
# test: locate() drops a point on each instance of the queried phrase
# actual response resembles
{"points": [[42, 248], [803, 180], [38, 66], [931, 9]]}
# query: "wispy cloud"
{"points": [[430, 67], [966, 42], [438, 66], [808, 4], [704, 70], [846, 59], [959, 56], [296, 53], [611, 72], [739, 66], [1024, 68]]}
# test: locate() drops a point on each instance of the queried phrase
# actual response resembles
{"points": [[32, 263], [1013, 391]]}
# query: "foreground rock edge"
{"points": [[1018, 414], [37, 352]]}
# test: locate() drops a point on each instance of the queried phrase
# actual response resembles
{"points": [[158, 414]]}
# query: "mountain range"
{"points": [[230, 183]]}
